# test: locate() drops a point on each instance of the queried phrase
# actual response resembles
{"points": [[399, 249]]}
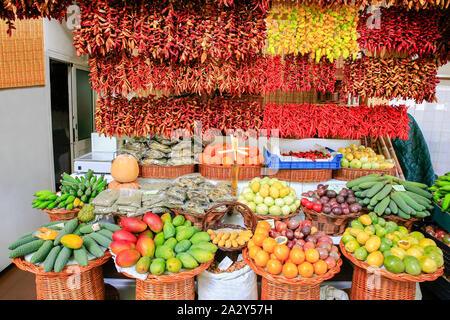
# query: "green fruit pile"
{"points": [[384, 243], [75, 192], [441, 192], [378, 192], [54, 244]]}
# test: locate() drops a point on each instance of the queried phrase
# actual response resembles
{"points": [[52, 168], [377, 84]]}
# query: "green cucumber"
{"points": [[393, 206], [110, 226], [358, 181], [373, 201], [356, 188], [417, 190], [402, 205], [42, 253], [69, 227], [26, 248], [92, 246], [410, 202], [403, 214], [22, 241], [375, 189], [387, 211], [49, 262], [367, 185], [382, 206], [101, 239], [383, 193], [81, 256], [107, 233], [62, 259], [86, 229]]}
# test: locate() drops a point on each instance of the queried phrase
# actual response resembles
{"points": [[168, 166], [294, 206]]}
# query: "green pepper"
{"points": [[446, 203]]}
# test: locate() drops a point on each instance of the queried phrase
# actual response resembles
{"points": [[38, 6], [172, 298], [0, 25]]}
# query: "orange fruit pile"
{"points": [[212, 156], [279, 259]]}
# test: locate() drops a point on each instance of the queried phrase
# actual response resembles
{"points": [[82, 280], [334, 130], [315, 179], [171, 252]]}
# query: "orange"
{"points": [[306, 270], [312, 255], [274, 266], [320, 267], [253, 251], [290, 270], [263, 224], [263, 232], [273, 257], [250, 244], [269, 244], [261, 258], [297, 256], [281, 251], [258, 239]]}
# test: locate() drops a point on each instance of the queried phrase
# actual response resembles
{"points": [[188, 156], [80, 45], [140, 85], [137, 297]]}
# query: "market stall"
{"points": [[254, 151]]}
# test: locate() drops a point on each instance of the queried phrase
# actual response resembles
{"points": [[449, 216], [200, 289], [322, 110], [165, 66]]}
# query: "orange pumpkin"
{"points": [[128, 185], [125, 168]]}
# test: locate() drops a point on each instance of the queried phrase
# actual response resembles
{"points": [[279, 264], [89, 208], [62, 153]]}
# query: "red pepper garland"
{"points": [[301, 121], [164, 116], [410, 32]]}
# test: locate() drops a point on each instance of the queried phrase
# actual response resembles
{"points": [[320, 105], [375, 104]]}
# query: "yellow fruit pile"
{"points": [[303, 29], [230, 239], [363, 158]]}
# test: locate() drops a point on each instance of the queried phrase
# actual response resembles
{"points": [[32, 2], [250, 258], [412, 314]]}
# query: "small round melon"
{"points": [[125, 168]]}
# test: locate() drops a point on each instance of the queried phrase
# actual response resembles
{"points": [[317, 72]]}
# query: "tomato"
{"points": [[309, 205], [317, 207], [304, 201], [440, 234]]}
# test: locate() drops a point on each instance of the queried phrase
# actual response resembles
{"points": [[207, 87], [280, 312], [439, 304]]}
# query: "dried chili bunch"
{"points": [[401, 31], [419, 4], [32, 9], [325, 121], [391, 78], [443, 44], [322, 32], [117, 116], [176, 32]]}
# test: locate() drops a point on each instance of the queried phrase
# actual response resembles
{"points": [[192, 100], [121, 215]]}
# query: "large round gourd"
{"points": [[125, 168]]}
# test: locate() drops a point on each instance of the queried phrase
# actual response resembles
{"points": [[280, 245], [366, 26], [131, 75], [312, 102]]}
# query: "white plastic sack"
{"points": [[332, 293], [237, 285]]}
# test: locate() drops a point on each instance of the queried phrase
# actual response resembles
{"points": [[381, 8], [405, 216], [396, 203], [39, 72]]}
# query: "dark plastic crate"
{"points": [[439, 287], [274, 162], [444, 247]]}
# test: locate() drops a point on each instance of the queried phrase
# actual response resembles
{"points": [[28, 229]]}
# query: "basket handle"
{"points": [[212, 217]]}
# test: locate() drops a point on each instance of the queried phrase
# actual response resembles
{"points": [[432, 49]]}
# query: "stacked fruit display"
{"points": [[441, 192], [385, 194], [308, 253], [230, 238], [214, 155], [159, 244], [331, 202], [379, 243], [269, 196], [54, 244], [75, 192], [363, 158]]}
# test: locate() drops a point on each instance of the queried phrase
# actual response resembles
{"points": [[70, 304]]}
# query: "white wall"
{"points": [[26, 153]]}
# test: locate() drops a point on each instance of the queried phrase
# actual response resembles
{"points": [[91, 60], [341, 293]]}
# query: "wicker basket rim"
{"points": [[371, 170], [394, 217], [341, 217], [301, 281], [39, 270], [175, 277], [405, 277], [159, 166], [253, 166], [61, 211]]}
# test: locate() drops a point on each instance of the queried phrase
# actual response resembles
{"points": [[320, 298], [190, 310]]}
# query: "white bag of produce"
{"points": [[237, 285]]}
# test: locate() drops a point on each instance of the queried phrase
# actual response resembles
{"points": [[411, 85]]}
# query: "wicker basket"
{"points": [[331, 224], [279, 288], [249, 222], [214, 214], [176, 286], [165, 172], [276, 218], [62, 214], [72, 283], [302, 175], [372, 283], [408, 223], [348, 174], [224, 173]]}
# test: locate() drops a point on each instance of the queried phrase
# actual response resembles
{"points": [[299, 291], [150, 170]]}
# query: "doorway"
{"points": [[72, 112]]}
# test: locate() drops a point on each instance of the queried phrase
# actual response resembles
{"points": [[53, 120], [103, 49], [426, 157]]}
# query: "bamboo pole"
{"points": [[394, 156]]}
